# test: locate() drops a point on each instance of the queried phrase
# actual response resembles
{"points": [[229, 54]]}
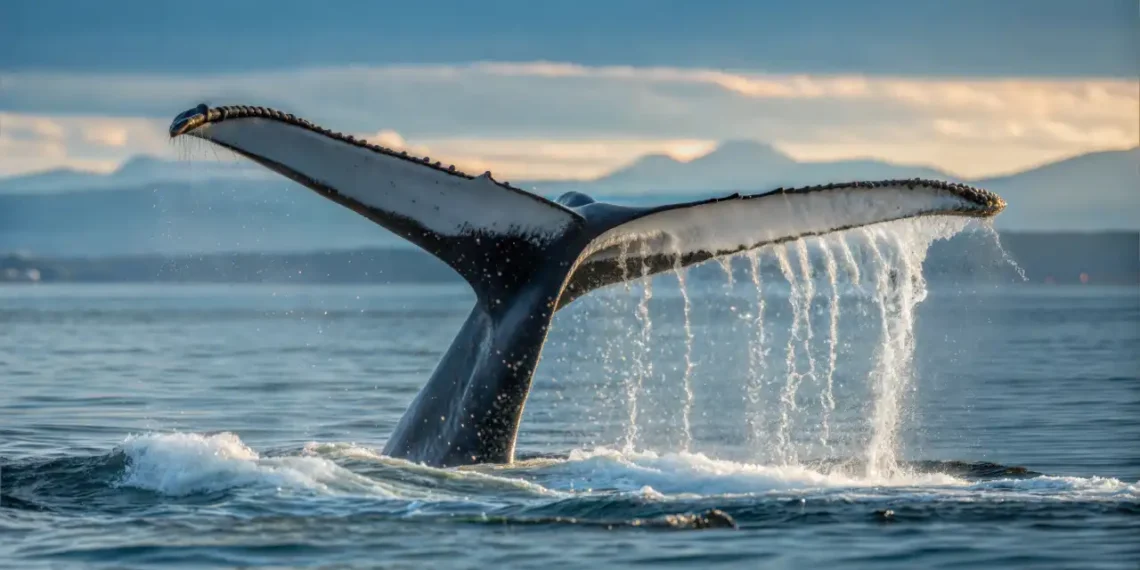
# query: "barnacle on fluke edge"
{"points": [[202, 114]]}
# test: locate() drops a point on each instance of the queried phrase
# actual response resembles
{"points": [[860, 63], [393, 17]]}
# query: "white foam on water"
{"points": [[695, 474], [179, 464], [340, 450], [687, 475], [1062, 488], [182, 464]]}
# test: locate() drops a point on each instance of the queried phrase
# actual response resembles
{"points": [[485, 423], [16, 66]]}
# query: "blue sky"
{"points": [[959, 37], [569, 89]]}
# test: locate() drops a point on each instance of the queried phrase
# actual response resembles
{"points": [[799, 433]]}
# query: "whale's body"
{"points": [[526, 257]]}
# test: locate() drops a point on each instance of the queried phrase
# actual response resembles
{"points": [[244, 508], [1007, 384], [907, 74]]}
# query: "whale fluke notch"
{"points": [[526, 256]]}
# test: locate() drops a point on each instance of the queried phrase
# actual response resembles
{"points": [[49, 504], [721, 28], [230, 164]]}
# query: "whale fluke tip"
{"points": [[189, 119]]}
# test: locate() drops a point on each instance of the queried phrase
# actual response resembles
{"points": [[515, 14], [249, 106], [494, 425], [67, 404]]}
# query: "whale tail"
{"points": [[526, 256], [497, 236]]}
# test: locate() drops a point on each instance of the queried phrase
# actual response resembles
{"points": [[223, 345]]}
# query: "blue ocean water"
{"points": [[240, 426]]}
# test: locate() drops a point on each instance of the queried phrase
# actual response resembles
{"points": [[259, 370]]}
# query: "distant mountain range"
{"points": [[969, 259], [179, 207], [1091, 192], [138, 171], [733, 166]]}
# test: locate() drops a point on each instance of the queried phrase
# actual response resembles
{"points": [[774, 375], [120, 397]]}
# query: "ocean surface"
{"points": [[841, 413]]}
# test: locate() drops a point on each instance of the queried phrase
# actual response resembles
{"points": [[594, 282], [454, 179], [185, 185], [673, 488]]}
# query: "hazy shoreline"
{"points": [[1055, 257]]}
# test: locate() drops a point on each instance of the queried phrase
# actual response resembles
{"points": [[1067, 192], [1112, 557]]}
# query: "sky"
{"points": [[574, 89]]}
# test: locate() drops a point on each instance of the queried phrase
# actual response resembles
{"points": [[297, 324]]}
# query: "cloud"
{"points": [[111, 136], [551, 119], [30, 143], [387, 138], [544, 159]]}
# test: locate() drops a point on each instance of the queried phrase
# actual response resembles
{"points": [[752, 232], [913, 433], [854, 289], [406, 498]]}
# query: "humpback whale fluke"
{"points": [[526, 256]]}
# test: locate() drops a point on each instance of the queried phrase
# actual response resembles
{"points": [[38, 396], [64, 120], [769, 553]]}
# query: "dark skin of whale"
{"points": [[526, 268], [469, 411]]}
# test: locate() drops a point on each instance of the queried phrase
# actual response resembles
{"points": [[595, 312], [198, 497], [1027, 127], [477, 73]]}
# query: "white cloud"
{"points": [[554, 120], [30, 143], [388, 138], [534, 159], [112, 136]]}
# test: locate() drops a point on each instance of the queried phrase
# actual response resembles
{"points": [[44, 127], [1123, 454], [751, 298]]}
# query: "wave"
{"points": [[694, 475], [181, 472], [181, 464]]}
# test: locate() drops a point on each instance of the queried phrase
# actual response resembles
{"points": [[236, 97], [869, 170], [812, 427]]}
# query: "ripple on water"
{"points": [[220, 489]]}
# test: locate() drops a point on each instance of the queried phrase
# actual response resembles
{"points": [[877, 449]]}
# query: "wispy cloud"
{"points": [[558, 120], [535, 159], [33, 142], [1027, 98]]}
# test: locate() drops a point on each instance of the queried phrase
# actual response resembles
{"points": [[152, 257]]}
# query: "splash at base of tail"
{"points": [[526, 257]]}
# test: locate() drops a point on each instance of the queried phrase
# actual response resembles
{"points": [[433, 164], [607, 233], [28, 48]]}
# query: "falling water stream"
{"points": [[785, 447], [686, 414], [807, 278], [632, 381], [780, 419], [643, 357], [827, 395], [757, 356]]}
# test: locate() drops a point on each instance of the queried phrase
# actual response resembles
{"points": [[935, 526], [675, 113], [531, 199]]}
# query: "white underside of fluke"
{"points": [[741, 223], [451, 204], [442, 202]]}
